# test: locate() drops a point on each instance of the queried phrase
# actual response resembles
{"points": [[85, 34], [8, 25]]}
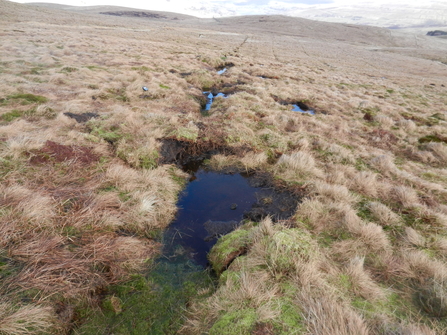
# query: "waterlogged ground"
{"points": [[154, 303]]}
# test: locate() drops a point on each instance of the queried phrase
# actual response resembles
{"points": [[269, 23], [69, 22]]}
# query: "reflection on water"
{"points": [[222, 71], [297, 108], [209, 196], [210, 97]]}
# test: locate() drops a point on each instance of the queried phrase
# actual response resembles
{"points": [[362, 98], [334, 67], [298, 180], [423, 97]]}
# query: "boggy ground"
{"points": [[82, 202]]}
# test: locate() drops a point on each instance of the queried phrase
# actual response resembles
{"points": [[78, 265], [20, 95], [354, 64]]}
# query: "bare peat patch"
{"points": [[186, 153], [80, 118], [55, 152]]}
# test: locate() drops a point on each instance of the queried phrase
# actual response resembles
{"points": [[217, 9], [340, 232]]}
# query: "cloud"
{"points": [[268, 2]]}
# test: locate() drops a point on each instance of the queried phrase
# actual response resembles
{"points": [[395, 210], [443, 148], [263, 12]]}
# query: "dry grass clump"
{"points": [[384, 163], [439, 149], [324, 316], [368, 238], [408, 329], [365, 182], [26, 319], [405, 196], [384, 215], [432, 297], [253, 160], [414, 238], [333, 193], [362, 283], [95, 262], [418, 266], [250, 283], [298, 164], [154, 192], [408, 125], [385, 121], [323, 216]]}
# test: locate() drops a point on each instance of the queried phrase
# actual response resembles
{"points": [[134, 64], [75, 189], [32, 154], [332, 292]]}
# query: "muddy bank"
{"points": [[84, 117], [184, 153], [296, 105]]}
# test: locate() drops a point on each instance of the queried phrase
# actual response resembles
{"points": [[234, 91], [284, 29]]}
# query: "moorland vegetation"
{"points": [[84, 190]]}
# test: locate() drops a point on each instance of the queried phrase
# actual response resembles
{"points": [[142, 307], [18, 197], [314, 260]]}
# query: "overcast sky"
{"points": [[227, 7]]}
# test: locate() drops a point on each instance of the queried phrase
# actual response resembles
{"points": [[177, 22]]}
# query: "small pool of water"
{"points": [[297, 108], [222, 71], [210, 97], [210, 200]]}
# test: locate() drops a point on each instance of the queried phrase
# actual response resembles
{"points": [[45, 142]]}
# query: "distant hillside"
{"points": [[115, 11], [394, 14], [437, 33], [391, 15]]}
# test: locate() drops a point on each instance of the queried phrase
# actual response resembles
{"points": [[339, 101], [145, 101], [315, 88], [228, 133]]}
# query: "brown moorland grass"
{"points": [[81, 202]]}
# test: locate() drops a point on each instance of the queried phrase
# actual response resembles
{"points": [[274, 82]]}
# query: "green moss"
{"points": [[178, 179], [226, 247], [434, 177], [113, 303], [94, 67], [152, 305], [290, 320], [115, 93], [432, 138], [9, 165], [165, 87], [137, 156], [370, 112], [26, 98], [149, 161], [108, 135], [439, 116], [289, 244], [229, 276], [6, 267], [240, 322], [360, 165], [69, 69], [394, 306], [141, 69], [364, 212], [186, 133], [345, 281], [124, 196], [14, 114]]}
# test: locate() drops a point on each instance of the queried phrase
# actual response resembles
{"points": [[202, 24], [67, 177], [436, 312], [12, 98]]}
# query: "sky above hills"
{"points": [[212, 8], [395, 14]]}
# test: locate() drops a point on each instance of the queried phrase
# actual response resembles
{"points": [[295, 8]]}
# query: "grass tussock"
{"points": [[27, 319], [324, 316]]}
